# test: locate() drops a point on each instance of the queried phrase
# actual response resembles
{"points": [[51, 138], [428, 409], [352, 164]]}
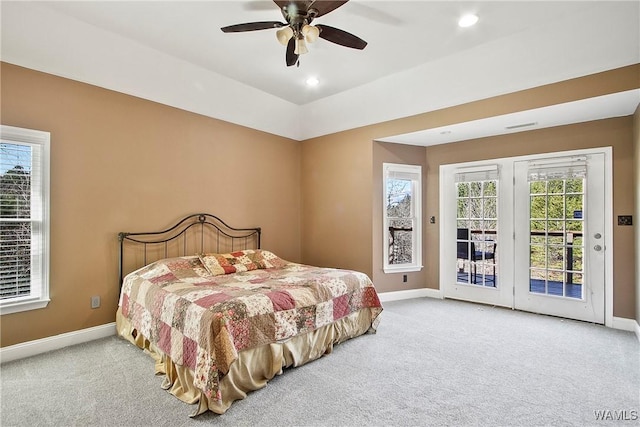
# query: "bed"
{"points": [[221, 316]]}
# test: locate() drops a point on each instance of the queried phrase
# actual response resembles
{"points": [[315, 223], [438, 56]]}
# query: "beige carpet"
{"points": [[432, 362]]}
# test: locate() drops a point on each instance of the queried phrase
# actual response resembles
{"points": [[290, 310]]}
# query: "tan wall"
{"points": [[404, 154], [328, 235], [612, 132], [123, 163], [636, 216], [336, 195], [120, 163]]}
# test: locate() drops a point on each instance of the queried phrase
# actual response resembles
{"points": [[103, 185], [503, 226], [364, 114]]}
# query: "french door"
{"points": [[474, 230], [528, 233], [559, 236]]}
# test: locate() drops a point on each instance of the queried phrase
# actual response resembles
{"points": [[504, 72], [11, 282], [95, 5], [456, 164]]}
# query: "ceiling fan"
{"points": [[297, 31]]}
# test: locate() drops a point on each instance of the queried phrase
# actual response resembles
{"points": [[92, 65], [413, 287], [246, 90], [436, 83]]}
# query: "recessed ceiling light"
{"points": [[468, 20], [312, 81]]}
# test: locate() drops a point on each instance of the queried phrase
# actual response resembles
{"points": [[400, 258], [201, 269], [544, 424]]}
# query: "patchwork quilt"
{"points": [[202, 310]]}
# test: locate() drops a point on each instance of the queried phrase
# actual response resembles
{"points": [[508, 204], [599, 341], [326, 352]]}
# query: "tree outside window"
{"points": [[24, 219], [15, 229], [402, 216]]}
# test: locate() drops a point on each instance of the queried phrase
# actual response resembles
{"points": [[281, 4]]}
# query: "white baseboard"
{"points": [[625, 324], [410, 293], [32, 348]]}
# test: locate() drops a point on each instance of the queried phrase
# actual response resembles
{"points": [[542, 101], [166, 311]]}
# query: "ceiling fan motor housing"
{"points": [[298, 18]]}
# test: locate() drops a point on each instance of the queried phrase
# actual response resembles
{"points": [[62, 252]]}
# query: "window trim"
{"points": [[416, 265], [18, 135]]}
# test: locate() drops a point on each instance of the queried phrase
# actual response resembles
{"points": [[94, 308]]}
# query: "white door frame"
{"points": [[500, 295], [447, 246], [590, 306]]}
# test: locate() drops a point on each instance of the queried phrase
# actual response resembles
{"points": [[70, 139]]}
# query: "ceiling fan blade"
{"points": [[291, 56], [322, 6], [253, 26], [341, 37]]}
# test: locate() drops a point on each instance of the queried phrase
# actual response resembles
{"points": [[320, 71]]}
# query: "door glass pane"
{"points": [[477, 219], [476, 188], [463, 208], [538, 207], [556, 207], [490, 189], [555, 186], [556, 240]]}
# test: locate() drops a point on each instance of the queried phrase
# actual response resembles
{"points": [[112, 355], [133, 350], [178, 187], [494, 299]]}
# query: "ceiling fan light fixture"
{"points": [[284, 35], [468, 20], [296, 32], [301, 47], [310, 33]]}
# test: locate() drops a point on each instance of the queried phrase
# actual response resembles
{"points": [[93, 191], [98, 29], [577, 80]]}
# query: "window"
{"points": [[402, 218], [477, 225], [24, 219], [556, 226]]}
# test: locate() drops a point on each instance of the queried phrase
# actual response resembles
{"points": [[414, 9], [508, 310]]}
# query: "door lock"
{"points": [[597, 236], [597, 248]]}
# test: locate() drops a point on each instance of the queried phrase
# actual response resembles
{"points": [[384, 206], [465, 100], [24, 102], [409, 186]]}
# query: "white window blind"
{"points": [[479, 173], [561, 168], [403, 175], [24, 161]]}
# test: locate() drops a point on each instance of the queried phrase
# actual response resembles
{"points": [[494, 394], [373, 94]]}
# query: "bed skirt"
{"points": [[254, 367]]}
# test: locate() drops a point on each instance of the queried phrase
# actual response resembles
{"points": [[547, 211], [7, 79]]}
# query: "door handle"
{"points": [[597, 248]]}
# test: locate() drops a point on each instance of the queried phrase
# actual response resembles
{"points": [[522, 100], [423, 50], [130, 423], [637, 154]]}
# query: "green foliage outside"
{"points": [[556, 209], [556, 213]]}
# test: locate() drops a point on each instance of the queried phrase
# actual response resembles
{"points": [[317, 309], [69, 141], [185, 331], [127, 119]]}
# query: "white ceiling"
{"points": [[417, 60], [600, 107]]}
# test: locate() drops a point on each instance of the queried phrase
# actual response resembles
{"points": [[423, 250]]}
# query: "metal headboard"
{"points": [[195, 234]]}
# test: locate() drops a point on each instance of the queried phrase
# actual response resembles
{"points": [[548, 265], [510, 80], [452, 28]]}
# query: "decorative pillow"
{"points": [[268, 259], [236, 262]]}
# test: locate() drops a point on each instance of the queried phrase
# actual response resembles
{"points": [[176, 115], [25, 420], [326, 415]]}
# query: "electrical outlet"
{"points": [[404, 278], [625, 220], [95, 301]]}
